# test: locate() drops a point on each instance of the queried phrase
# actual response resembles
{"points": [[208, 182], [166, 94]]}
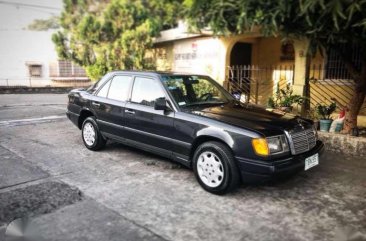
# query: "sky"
{"points": [[18, 14]]}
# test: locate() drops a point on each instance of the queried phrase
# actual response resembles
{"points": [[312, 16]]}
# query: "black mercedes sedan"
{"points": [[194, 121]]}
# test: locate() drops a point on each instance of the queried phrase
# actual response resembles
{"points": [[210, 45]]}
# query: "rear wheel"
{"points": [[92, 138], [215, 168]]}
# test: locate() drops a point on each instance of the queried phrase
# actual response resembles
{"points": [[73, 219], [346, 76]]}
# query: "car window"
{"points": [[190, 90], [119, 87], [146, 91], [104, 90], [98, 84]]}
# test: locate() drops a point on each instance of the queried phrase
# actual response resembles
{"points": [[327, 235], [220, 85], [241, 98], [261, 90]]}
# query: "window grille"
{"points": [[65, 68], [35, 69], [335, 67]]}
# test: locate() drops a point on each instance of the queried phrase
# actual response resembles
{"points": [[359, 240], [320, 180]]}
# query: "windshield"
{"points": [[190, 90]]}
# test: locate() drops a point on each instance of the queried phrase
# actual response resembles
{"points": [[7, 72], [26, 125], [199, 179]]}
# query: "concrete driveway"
{"points": [[121, 193]]}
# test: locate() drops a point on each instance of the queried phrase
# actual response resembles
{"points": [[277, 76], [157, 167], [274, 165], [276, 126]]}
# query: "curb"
{"points": [[345, 144], [35, 90]]}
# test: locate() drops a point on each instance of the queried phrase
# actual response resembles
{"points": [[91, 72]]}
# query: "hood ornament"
{"points": [[301, 123]]}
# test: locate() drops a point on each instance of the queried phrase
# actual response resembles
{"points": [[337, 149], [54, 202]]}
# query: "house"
{"points": [[29, 58], [255, 65]]}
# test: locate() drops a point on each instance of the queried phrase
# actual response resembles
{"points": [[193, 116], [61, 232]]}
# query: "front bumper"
{"points": [[258, 171]]}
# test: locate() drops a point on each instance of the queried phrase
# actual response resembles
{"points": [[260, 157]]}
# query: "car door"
{"points": [[109, 105], [146, 127]]}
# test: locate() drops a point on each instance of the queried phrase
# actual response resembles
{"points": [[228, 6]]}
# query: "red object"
{"points": [[342, 113]]}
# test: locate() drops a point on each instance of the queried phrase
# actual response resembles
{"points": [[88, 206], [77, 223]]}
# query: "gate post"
{"points": [[301, 71], [256, 92]]}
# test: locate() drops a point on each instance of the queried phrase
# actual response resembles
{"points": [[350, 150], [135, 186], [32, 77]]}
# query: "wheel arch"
{"points": [[85, 113], [202, 139]]}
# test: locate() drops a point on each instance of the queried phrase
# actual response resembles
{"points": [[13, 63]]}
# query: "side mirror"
{"points": [[237, 95], [160, 104]]}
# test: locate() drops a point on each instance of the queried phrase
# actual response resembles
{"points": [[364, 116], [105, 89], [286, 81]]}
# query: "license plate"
{"points": [[311, 161]]}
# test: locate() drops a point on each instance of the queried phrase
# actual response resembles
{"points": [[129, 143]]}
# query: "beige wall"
{"points": [[211, 56]]}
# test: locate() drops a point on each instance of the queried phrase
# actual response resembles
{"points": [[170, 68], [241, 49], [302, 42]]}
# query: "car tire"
{"points": [[91, 136], [215, 168]]}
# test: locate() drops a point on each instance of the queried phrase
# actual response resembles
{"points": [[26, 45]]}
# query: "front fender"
{"points": [[216, 133]]}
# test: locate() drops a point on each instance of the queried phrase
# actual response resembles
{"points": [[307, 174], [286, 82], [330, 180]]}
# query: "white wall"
{"points": [[18, 46], [200, 56]]}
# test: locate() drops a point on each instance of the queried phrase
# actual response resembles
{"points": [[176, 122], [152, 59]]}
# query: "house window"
{"points": [[65, 68], [35, 69], [335, 67], [287, 51]]}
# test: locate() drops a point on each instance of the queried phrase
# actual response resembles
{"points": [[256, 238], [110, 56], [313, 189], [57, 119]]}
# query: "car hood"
{"points": [[252, 117]]}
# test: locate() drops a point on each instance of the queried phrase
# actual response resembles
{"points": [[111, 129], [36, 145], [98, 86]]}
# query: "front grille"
{"points": [[302, 141]]}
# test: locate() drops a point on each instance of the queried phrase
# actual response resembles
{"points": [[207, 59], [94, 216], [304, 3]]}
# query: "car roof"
{"points": [[151, 73]]}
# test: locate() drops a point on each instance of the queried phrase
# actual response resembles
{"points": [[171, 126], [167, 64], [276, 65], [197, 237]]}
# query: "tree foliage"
{"points": [[333, 21], [109, 35]]}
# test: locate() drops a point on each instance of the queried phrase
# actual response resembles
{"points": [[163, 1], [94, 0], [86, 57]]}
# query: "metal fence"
{"points": [[256, 84], [60, 73], [329, 84]]}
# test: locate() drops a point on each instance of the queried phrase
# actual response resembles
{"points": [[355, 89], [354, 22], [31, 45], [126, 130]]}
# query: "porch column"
{"points": [[301, 60]]}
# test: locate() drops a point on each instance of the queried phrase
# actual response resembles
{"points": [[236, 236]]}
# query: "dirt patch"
{"points": [[36, 199]]}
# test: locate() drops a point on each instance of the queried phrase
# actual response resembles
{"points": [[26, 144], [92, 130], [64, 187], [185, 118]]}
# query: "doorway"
{"points": [[240, 70], [241, 54]]}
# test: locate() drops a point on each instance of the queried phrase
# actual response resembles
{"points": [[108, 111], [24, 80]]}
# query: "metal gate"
{"points": [[256, 84], [331, 85]]}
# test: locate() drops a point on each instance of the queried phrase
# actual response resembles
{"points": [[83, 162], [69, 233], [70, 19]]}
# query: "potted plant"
{"points": [[284, 99], [324, 112]]}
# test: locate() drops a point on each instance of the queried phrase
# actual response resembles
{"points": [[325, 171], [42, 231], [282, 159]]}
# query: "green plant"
{"points": [[326, 110], [285, 98], [105, 35], [271, 103], [313, 114]]}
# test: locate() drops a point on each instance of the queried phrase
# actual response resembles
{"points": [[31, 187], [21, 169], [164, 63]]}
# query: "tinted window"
{"points": [[104, 90], [189, 90], [146, 90], [119, 88]]}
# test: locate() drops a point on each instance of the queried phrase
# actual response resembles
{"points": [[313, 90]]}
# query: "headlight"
{"points": [[274, 144], [270, 145], [277, 144]]}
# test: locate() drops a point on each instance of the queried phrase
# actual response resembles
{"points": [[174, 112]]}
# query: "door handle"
{"points": [[95, 104], [131, 112]]}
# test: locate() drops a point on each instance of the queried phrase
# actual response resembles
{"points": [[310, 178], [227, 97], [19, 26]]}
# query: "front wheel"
{"points": [[215, 168], [92, 138]]}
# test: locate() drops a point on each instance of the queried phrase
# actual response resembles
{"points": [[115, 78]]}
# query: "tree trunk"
{"points": [[359, 91], [306, 105], [354, 107], [356, 102]]}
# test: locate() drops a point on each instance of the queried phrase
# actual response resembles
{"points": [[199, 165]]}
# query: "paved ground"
{"points": [[121, 193]]}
